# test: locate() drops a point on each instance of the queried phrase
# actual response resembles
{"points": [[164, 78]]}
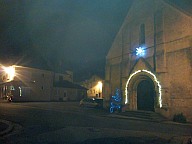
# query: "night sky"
{"points": [[61, 34]]}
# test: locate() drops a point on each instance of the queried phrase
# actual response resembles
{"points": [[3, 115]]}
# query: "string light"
{"points": [[140, 51], [159, 86], [126, 92], [155, 79], [115, 103]]}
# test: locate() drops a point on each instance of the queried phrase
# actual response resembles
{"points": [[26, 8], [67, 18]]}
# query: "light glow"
{"points": [[126, 92], [20, 91], [155, 79], [10, 71], [98, 88], [140, 51], [100, 84], [115, 103]]}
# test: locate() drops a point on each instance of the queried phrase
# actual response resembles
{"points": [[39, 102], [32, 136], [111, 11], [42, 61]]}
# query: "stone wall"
{"points": [[173, 57], [180, 91]]}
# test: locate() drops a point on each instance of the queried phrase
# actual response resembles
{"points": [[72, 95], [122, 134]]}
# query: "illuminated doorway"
{"points": [[145, 95]]}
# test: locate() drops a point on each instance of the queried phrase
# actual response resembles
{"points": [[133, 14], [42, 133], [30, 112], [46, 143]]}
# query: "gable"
{"points": [[141, 64], [116, 48], [183, 6], [176, 24], [140, 9]]}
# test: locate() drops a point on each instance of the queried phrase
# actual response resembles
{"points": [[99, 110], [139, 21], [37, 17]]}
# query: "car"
{"points": [[89, 102]]}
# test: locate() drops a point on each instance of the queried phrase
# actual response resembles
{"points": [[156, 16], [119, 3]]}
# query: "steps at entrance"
{"points": [[146, 115]]}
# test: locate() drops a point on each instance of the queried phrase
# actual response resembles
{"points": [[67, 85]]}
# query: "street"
{"points": [[66, 122]]}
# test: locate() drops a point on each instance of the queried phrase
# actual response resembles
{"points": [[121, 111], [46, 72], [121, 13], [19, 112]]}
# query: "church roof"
{"points": [[184, 6]]}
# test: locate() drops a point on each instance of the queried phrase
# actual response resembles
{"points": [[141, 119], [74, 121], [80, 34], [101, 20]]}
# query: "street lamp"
{"points": [[100, 84], [10, 73]]}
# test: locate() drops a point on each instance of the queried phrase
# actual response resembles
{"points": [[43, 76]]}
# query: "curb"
{"points": [[133, 118], [177, 123], [8, 129], [143, 119]]}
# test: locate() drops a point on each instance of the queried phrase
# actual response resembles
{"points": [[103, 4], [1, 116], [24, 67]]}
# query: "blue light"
{"points": [[115, 104], [140, 51]]}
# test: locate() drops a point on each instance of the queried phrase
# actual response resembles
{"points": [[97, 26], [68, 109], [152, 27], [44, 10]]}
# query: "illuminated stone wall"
{"points": [[180, 88], [31, 84], [173, 54], [95, 86], [36, 84]]}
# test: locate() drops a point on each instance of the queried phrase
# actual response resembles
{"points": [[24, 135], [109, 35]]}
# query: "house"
{"points": [[32, 84], [150, 60], [68, 91], [94, 86]]}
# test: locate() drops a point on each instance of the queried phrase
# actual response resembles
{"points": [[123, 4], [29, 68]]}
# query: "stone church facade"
{"points": [[150, 60]]}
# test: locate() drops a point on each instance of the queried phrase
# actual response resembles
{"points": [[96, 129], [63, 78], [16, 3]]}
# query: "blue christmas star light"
{"points": [[140, 51]]}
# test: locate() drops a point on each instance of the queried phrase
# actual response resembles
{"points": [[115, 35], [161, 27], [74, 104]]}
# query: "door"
{"points": [[145, 96]]}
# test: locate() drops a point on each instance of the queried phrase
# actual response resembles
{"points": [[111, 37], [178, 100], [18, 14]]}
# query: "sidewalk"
{"points": [[173, 140]]}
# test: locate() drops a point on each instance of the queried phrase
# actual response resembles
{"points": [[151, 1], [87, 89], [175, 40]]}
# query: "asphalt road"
{"points": [[66, 122]]}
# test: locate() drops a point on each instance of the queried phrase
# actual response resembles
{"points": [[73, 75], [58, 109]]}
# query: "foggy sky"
{"points": [[67, 34], [62, 34]]}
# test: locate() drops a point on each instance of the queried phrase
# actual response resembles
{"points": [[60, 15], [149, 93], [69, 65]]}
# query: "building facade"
{"points": [[68, 91], [150, 60], [31, 84], [94, 86]]}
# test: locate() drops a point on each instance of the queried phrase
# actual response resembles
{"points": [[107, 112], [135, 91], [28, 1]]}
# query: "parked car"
{"points": [[89, 102]]}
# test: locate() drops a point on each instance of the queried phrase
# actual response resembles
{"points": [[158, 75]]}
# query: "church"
{"points": [[150, 60]]}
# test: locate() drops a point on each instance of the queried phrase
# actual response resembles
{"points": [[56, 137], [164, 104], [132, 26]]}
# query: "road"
{"points": [[66, 122]]}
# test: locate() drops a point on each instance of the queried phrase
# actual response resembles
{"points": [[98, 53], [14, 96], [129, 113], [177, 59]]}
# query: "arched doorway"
{"points": [[145, 95]]}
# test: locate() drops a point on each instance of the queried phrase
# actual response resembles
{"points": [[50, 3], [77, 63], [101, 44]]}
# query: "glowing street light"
{"points": [[10, 72], [100, 85]]}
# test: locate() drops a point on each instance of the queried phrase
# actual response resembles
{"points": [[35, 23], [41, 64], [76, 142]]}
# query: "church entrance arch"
{"points": [[143, 91]]}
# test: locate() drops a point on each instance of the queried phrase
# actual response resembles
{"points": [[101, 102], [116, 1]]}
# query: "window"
{"points": [[65, 94], [142, 35]]}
